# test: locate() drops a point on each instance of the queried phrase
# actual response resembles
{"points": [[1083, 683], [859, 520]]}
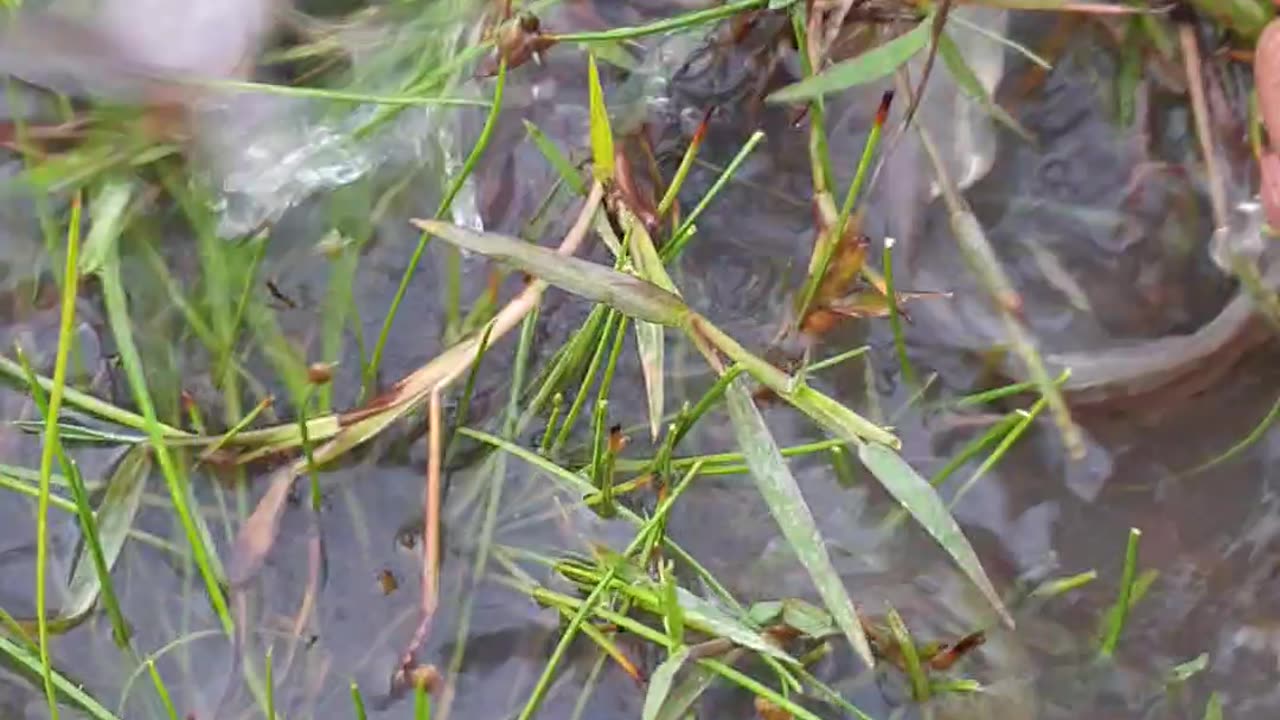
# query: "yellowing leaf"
{"points": [[601, 133]]}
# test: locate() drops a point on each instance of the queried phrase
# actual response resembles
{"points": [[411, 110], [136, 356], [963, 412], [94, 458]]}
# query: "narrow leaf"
{"points": [[24, 659], [868, 67], [661, 682], [115, 516], [707, 617], [782, 494], [968, 81], [649, 336], [920, 500], [629, 294], [601, 133]]}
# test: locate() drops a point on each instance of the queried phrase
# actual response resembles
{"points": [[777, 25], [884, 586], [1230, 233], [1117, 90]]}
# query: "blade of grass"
{"points": [[680, 22], [1257, 433], [685, 232], [661, 684], [1116, 626], [118, 318], [910, 658], [870, 66], [104, 536], [601, 133], [922, 502], [70, 286], [446, 203], [787, 505], [357, 702], [24, 659], [557, 158], [161, 691]]}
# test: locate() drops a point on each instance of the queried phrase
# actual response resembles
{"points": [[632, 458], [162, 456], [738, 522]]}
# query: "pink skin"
{"points": [[1266, 70]]}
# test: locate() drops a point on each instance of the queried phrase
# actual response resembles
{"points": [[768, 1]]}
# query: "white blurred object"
{"points": [[960, 126], [119, 49]]}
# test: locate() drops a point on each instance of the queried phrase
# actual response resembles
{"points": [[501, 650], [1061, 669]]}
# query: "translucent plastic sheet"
{"points": [[261, 153]]}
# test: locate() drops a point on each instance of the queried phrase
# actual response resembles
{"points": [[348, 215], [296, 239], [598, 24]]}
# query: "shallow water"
{"points": [[1136, 265]]}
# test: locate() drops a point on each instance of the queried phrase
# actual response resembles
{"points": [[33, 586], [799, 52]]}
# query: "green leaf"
{"points": [[786, 503], [107, 208], [1183, 672], [627, 293], [868, 67], [115, 516], [612, 52], [706, 617], [558, 159], [920, 500], [601, 133], [1213, 708], [649, 336], [661, 682], [968, 81], [23, 657]]}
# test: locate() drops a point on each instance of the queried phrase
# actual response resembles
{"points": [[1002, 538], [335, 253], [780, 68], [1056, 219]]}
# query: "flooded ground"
{"points": [[1104, 226]]}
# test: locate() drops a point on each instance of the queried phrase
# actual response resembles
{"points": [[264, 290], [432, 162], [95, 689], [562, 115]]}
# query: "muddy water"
{"points": [[1129, 239]]}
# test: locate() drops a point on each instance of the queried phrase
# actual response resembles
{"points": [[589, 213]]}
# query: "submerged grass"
{"points": [[700, 638]]}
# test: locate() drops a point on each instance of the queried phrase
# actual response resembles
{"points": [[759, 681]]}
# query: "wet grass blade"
{"points": [[910, 658], [357, 702], [1256, 434], [629, 294], [968, 81], [162, 691], [105, 535], [680, 22], [601, 133], [202, 553], [787, 505], [650, 337], [66, 336], [557, 158], [1213, 708], [446, 203], [872, 65], [661, 684], [1116, 625], [919, 498], [22, 657]]}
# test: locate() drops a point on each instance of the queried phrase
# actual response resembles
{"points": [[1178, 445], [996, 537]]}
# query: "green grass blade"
{"points": [[870, 66], [66, 337], [118, 318], [357, 702], [661, 683], [162, 691], [910, 658], [557, 158], [24, 659], [601, 133], [680, 22], [787, 505], [1116, 625], [1257, 433], [919, 499], [968, 81], [1213, 708], [105, 536], [650, 337], [627, 293], [455, 187]]}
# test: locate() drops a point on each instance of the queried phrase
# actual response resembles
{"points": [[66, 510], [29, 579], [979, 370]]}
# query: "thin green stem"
{"points": [[70, 287], [680, 22], [375, 361]]}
